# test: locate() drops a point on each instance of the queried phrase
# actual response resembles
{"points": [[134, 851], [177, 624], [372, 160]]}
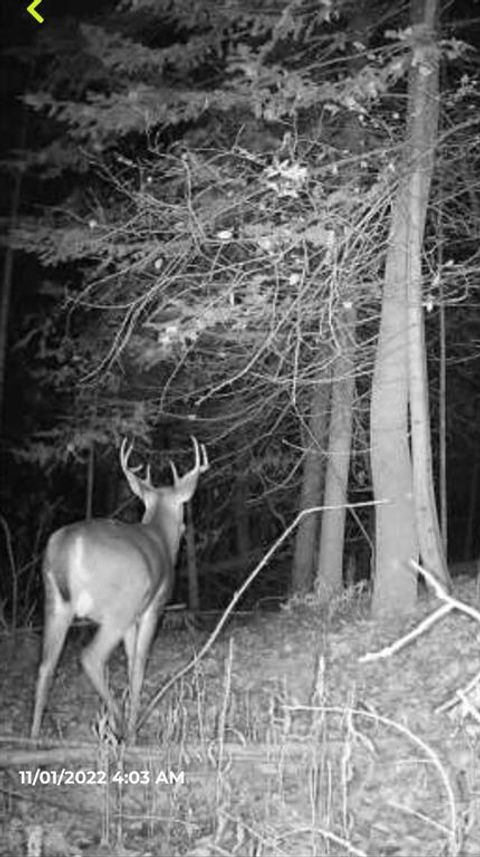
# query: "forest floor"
{"points": [[280, 741]]}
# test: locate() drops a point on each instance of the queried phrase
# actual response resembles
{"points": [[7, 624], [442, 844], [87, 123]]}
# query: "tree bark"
{"points": [[422, 138], [407, 519], [312, 489], [329, 577], [395, 532]]}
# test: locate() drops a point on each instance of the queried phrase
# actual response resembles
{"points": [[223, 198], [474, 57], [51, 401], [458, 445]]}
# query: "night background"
{"points": [[243, 240]]}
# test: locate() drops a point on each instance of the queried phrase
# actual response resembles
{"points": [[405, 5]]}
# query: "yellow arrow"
{"points": [[33, 13]]}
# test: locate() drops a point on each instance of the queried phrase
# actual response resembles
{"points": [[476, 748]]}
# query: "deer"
{"points": [[118, 575]]}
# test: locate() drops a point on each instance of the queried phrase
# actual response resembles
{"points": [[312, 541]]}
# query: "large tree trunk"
{"points": [[407, 503], [312, 489], [395, 532], [330, 559], [423, 127]]}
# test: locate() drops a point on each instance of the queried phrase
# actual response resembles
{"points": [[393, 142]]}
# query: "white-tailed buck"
{"points": [[118, 575]]}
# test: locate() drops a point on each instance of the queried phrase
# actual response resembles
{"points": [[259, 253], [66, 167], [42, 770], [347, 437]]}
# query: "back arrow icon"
{"points": [[33, 13]]}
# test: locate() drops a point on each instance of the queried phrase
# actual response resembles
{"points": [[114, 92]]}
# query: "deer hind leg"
{"points": [[58, 617], [94, 660], [137, 642]]}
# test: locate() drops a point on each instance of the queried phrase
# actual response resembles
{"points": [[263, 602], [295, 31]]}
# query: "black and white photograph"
{"points": [[240, 428]]}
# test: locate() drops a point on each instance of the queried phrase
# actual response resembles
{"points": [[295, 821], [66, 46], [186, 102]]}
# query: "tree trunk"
{"points": [[422, 138], [469, 541], [330, 560], [400, 366], [395, 532], [312, 490]]}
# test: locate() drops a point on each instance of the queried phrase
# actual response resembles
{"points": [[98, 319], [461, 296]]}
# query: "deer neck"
{"points": [[164, 520]]}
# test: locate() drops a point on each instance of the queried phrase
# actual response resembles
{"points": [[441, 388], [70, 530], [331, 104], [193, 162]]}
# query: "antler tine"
{"points": [[194, 440], [201, 457], [200, 465], [125, 452], [176, 478]]}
